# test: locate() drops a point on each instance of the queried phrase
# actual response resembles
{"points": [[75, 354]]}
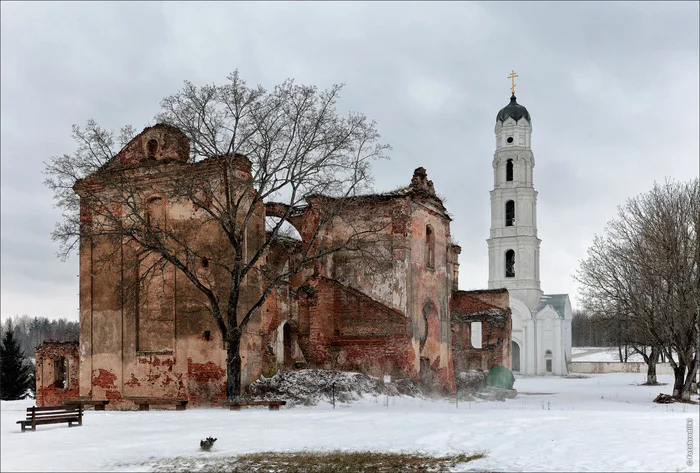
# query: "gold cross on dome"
{"points": [[512, 77]]}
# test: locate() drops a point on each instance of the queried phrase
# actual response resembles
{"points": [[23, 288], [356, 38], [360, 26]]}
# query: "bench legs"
{"points": [[145, 407], [272, 407], [99, 407]]}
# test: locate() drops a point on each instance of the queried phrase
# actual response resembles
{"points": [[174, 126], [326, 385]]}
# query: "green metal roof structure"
{"points": [[500, 377]]}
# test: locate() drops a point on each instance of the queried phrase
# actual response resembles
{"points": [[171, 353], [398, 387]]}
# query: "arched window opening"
{"points": [[509, 170], [548, 361], [152, 148], [429, 247], [510, 213], [476, 334], [510, 264]]}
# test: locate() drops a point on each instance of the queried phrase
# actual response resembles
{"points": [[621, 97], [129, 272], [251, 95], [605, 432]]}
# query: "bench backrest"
{"points": [[53, 411]]}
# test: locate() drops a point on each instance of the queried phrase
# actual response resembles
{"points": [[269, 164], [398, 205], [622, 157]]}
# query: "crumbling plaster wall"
{"points": [[185, 357], [429, 290]]}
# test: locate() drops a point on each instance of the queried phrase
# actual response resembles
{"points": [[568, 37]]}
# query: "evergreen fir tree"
{"points": [[14, 369]]}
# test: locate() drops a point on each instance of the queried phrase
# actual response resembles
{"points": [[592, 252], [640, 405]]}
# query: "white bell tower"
{"points": [[514, 249]]}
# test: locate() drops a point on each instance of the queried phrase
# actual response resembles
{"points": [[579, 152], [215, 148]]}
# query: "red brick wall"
{"points": [[341, 328]]}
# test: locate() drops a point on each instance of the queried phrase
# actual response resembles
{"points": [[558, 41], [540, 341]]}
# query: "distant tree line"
{"points": [[596, 330], [30, 332], [591, 331]]}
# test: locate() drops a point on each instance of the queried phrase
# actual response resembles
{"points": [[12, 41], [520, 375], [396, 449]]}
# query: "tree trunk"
{"points": [[679, 379], [651, 366], [689, 380], [233, 366]]}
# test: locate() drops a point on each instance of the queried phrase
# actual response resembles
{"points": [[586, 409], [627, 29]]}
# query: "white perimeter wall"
{"points": [[616, 367]]}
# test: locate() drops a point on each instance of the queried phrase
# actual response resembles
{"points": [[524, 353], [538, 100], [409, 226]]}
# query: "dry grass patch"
{"points": [[335, 461]]}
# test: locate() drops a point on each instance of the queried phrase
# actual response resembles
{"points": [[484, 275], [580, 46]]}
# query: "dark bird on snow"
{"points": [[207, 444]]}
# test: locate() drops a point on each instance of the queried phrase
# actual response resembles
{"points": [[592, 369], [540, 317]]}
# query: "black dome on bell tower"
{"points": [[513, 110]]}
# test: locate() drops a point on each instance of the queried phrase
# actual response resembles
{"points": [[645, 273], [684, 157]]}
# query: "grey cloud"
{"points": [[612, 89]]}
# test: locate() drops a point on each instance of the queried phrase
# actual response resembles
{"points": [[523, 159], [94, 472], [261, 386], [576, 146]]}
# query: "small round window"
{"points": [[510, 139]]}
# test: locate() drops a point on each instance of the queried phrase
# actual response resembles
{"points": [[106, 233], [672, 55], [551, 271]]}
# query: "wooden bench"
{"points": [[273, 405], [144, 403], [52, 415], [98, 404]]}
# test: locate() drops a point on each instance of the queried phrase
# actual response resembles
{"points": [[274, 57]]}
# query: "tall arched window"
{"points": [[509, 170], [510, 213], [429, 247], [510, 264], [155, 212]]}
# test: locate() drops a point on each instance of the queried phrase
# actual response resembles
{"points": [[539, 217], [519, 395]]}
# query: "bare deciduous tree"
{"points": [[644, 272], [293, 143]]}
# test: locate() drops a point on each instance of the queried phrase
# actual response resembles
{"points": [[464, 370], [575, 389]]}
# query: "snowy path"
{"points": [[602, 423]]}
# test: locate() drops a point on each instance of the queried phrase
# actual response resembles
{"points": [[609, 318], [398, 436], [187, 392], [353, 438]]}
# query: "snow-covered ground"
{"points": [[600, 423]]}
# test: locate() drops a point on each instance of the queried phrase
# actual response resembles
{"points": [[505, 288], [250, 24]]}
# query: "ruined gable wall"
{"points": [[160, 142], [168, 353]]}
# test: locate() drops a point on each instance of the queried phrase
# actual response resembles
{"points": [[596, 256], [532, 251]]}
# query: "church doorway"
{"points": [[514, 356]]}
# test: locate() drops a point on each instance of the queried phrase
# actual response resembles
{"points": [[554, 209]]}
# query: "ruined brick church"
{"points": [[406, 318]]}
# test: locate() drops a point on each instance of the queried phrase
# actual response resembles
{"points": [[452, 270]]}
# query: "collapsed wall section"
{"points": [[342, 328]]}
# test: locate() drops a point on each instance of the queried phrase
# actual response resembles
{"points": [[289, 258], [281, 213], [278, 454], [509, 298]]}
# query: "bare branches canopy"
{"points": [[643, 273]]}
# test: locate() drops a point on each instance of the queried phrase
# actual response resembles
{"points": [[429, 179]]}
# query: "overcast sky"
{"points": [[612, 89]]}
